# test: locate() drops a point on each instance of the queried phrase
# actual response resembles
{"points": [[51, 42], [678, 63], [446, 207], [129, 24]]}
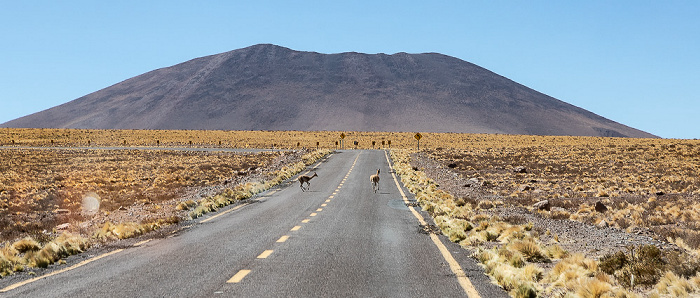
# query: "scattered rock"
{"points": [[542, 205], [600, 207], [520, 169], [559, 209], [64, 226], [473, 182], [122, 208], [62, 211], [526, 188], [452, 165], [602, 224], [660, 193]]}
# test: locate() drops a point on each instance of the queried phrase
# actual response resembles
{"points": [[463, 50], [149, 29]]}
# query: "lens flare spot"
{"points": [[91, 204]]}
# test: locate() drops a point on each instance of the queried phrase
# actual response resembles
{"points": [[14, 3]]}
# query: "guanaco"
{"points": [[305, 179], [375, 181]]}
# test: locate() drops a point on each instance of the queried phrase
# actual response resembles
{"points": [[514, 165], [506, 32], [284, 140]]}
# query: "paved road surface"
{"points": [[338, 239]]}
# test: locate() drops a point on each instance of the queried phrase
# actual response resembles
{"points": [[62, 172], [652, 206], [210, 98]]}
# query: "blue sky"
{"points": [[635, 62]]}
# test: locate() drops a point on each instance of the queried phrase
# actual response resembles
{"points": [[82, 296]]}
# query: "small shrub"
{"points": [[612, 262], [643, 265]]}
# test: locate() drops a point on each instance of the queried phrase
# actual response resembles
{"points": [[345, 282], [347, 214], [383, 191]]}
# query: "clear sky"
{"points": [[634, 62]]}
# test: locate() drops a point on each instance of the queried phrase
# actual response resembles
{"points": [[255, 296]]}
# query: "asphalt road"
{"points": [[337, 239]]}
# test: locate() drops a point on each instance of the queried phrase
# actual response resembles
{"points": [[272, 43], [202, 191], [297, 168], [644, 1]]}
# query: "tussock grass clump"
{"points": [[30, 255], [186, 205], [110, 231], [592, 288], [530, 249], [556, 252], [25, 245], [508, 269], [570, 272]]}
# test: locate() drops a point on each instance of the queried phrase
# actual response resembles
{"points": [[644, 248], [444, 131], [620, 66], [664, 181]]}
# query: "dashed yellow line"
{"points": [[324, 205], [462, 278], [295, 228], [236, 278], [265, 254], [306, 220], [283, 239], [319, 209]]}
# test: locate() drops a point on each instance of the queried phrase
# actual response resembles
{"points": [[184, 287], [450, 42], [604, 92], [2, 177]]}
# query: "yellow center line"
{"points": [[329, 199], [265, 254], [319, 209], [238, 276], [306, 220], [313, 214], [283, 238], [324, 205], [462, 278], [295, 228], [19, 284]]}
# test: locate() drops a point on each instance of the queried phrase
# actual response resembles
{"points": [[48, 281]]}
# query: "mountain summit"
{"points": [[268, 87]]}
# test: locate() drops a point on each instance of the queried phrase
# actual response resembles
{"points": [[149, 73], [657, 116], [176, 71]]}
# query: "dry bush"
{"points": [[642, 265]]}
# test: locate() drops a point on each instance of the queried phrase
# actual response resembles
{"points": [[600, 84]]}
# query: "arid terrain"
{"points": [[622, 212], [620, 219], [58, 201]]}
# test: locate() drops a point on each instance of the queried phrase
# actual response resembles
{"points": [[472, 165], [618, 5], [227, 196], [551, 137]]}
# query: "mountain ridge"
{"points": [[269, 87]]}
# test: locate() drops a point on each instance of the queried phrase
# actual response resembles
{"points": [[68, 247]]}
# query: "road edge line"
{"points": [[19, 284], [462, 278]]}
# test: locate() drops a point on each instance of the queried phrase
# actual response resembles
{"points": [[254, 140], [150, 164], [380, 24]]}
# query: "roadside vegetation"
{"points": [[646, 186], [48, 196]]}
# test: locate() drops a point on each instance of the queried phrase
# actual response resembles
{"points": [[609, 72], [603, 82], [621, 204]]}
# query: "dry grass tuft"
{"points": [[25, 245], [675, 286], [530, 249], [592, 288]]}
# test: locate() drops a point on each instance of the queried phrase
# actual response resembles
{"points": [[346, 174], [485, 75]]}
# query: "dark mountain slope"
{"points": [[267, 87]]}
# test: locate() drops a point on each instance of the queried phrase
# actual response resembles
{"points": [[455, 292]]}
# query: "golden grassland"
{"points": [[645, 183], [39, 188], [41, 250], [42, 188], [521, 263]]}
